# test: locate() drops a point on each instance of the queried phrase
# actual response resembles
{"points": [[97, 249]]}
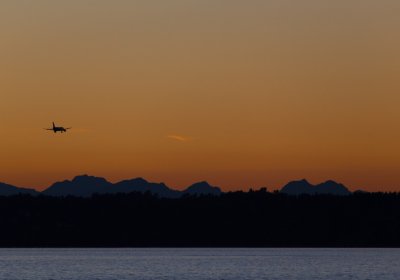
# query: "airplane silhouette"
{"points": [[58, 128]]}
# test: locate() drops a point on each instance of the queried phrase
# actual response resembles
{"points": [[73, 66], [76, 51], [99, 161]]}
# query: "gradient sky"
{"points": [[239, 93]]}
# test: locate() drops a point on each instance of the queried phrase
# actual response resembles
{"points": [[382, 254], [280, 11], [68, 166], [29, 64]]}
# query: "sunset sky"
{"points": [[239, 93]]}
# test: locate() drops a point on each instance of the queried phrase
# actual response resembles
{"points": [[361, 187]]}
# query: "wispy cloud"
{"points": [[178, 137]]}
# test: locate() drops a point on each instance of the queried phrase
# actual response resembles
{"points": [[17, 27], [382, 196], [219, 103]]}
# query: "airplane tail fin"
{"points": [[54, 125]]}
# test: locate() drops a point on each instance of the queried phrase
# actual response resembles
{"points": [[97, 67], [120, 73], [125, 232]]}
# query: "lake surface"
{"points": [[276, 264]]}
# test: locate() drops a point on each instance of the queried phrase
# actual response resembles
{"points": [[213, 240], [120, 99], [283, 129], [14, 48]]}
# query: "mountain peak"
{"points": [[138, 180], [297, 187], [82, 185], [303, 182], [331, 182], [141, 185], [201, 184], [87, 178], [202, 188], [331, 187], [304, 187]]}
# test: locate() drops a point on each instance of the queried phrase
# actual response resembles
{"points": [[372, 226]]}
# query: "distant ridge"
{"points": [[83, 185], [86, 186], [202, 188], [7, 190], [141, 185], [304, 187], [298, 187]]}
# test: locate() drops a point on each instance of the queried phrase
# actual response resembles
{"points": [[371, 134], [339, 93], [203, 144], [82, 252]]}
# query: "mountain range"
{"points": [[6, 190], [304, 187], [85, 186]]}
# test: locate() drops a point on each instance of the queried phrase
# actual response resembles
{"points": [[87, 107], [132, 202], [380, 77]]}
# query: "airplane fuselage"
{"points": [[56, 129], [59, 129]]}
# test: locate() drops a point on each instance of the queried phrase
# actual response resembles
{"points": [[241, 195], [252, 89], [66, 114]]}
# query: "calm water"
{"points": [[120, 264]]}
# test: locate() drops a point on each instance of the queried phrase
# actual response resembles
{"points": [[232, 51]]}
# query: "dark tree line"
{"points": [[233, 219]]}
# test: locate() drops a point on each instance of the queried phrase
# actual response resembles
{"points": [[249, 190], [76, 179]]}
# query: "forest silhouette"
{"points": [[234, 219]]}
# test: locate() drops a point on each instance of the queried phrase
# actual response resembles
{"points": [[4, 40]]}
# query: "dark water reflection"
{"points": [[276, 264]]}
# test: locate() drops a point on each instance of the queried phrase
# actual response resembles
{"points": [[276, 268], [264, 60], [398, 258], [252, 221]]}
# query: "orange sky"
{"points": [[240, 93]]}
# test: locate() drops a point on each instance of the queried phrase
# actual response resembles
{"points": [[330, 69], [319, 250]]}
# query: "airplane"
{"points": [[58, 128]]}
